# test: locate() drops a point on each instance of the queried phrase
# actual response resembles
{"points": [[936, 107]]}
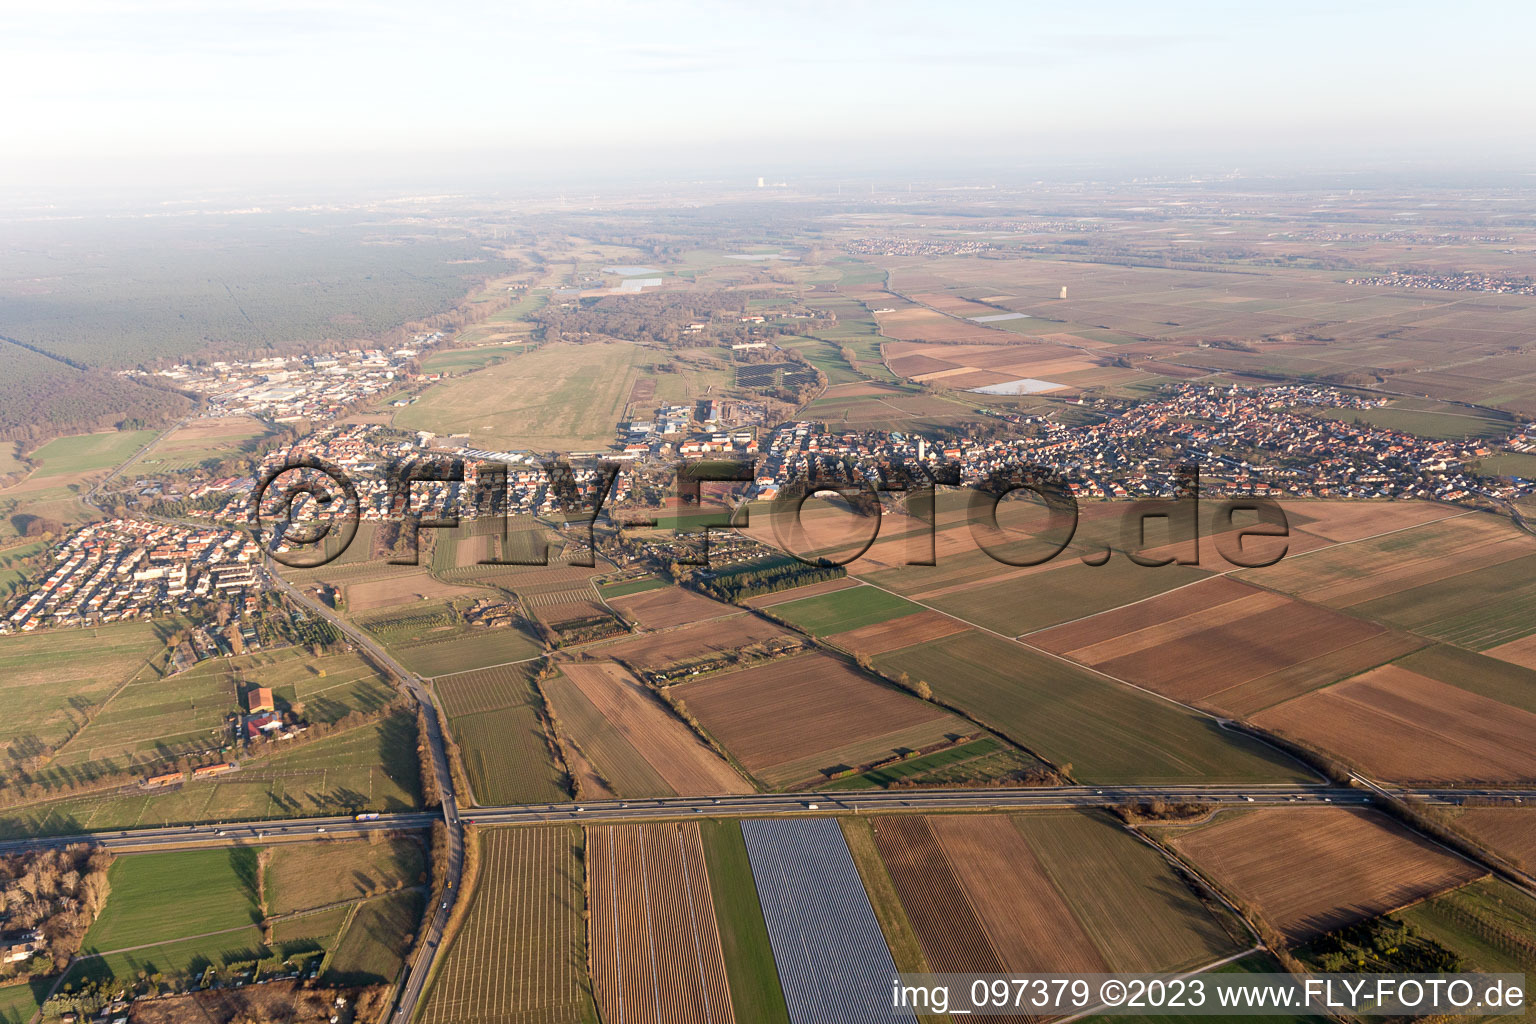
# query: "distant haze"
{"points": [[102, 93]]}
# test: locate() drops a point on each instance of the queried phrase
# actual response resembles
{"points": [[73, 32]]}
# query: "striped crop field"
{"points": [[519, 956], [832, 958], [656, 953]]}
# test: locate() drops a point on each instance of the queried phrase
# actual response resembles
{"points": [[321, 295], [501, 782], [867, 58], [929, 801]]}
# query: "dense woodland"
{"points": [[82, 299], [42, 397]]}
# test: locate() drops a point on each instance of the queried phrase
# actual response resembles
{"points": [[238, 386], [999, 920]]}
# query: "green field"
{"points": [[494, 718], [47, 678], [628, 587], [1519, 464], [520, 953], [1425, 418], [152, 720], [1027, 603], [561, 396], [476, 648], [467, 360], [1490, 923], [371, 768], [966, 761], [1258, 963], [1108, 733], [1497, 680], [157, 897], [19, 1002], [749, 966], [13, 571], [81, 454], [178, 959], [373, 946], [843, 610], [1478, 609]]}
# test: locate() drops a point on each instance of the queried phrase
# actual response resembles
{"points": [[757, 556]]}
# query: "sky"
{"points": [[97, 91]]}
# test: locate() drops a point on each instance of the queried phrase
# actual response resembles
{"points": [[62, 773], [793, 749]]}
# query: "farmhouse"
{"points": [[259, 699]]}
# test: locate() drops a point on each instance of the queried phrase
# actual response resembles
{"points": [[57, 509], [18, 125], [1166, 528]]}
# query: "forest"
{"points": [[81, 299]]}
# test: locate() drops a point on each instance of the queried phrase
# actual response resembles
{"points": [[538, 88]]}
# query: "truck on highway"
{"points": [[370, 816]]}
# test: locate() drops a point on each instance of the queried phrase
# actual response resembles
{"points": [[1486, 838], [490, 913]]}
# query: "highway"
{"points": [[867, 801]]}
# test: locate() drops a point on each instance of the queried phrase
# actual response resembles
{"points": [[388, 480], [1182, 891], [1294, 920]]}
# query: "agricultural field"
{"points": [[1407, 722], [153, 720], [660, 651], [1023, 602], [520, 953], [206, 440], [562, 396], [755, 993], [1424, 418], [1311, 870], [1226, 645], [1490, 923], [656, 952], [370, 768], [810, 717], [157, 897], [1509, 831], [1056, 891], [494, 717], [405, 588], [372, 947], [665, 609], [1106, 731], [303, 876], [71, 460], [1349, 576], [827, 944], [978, 761], [629, 587], [894, 634], [428, 638], [844, 610], [46, 678], [646, 726]]}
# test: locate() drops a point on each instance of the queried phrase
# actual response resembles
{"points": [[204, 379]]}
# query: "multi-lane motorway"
{"points": [[870, 801]]}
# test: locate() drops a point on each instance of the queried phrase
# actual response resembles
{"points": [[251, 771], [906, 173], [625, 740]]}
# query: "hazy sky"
{"points": [[98, 89]]}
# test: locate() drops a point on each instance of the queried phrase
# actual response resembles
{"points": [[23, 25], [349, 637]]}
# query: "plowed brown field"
{"points": [[673, 606], [1030, 925], [1509, 830], [1311, 870], [1199, 642], [792, 718], [686, 763], [661, 650], [897, 633], [1399, 725], [656, 956]]}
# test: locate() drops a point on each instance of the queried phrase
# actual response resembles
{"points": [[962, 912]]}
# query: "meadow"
{"points": [[561, 396]]}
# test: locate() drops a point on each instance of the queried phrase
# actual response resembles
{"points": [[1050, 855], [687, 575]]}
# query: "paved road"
{"points": [[294, 829], [432, 938]]}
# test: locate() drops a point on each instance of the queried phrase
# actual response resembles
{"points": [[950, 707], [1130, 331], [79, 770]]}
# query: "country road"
{"points": [[421, 967]]}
